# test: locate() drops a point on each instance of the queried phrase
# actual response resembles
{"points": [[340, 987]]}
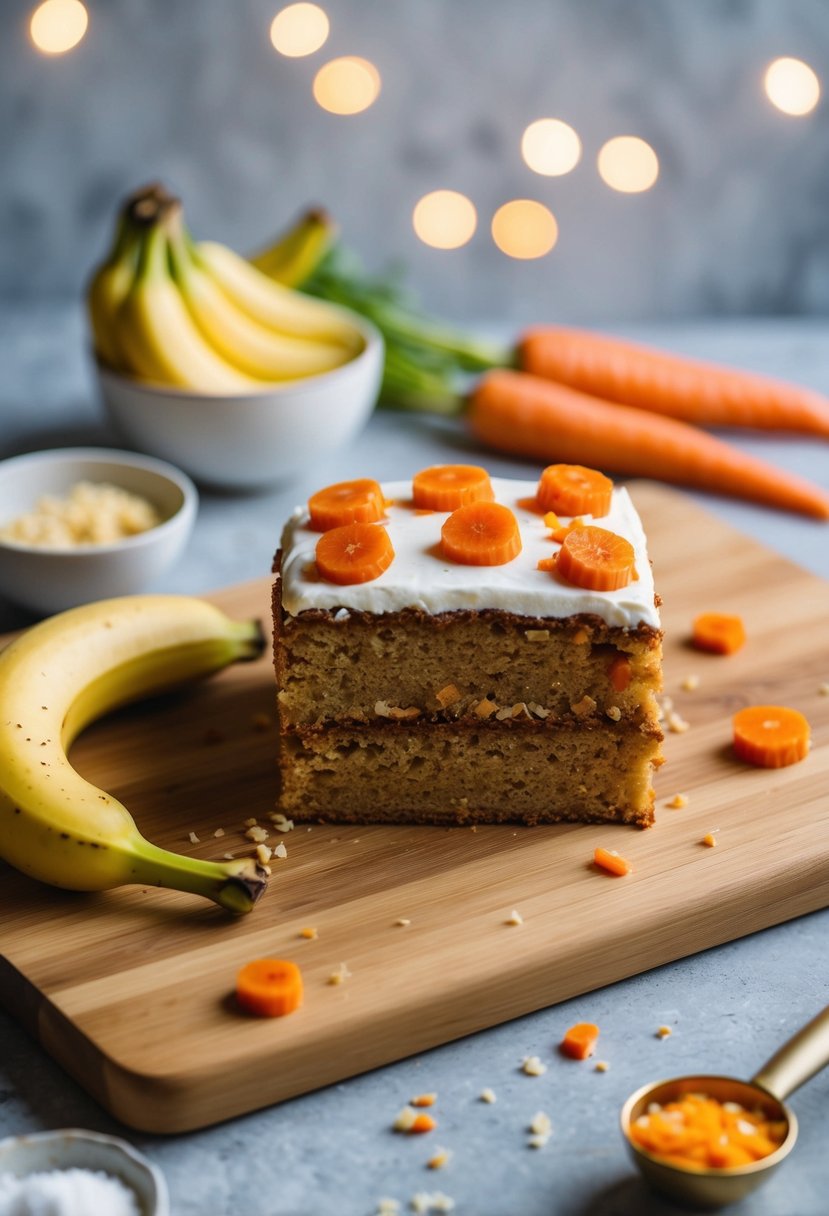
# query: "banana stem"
{"points": [[235, 885]]}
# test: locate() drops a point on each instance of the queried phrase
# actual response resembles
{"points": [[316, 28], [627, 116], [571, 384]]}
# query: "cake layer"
{"points": [[354, 666], [451, 774]]}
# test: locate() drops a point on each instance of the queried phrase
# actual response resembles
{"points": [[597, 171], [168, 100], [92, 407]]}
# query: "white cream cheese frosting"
{"points": [[420, 577]]}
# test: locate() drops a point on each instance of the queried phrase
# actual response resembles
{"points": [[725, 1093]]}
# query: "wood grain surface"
{"points": [[131, 990]]}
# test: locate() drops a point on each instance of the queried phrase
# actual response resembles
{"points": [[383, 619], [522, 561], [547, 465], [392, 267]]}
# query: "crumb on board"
{"points": [[601, 1066], [664, 1032], [823, 690], [263, 854], [193, 838], [340, 975], [280, 851], [250, 823], [690, 683], [676, 723], [431, 1201], [228, 856], [424, 1100], [541, 1124], [404, 1119], [532, 1066], [709, 840], [487, 1095], [439, 1159], [219, 833], [257, 834], [309, 932], [281, 822], [677, 802], [514, 918], [388, 1206], [402, 921]]}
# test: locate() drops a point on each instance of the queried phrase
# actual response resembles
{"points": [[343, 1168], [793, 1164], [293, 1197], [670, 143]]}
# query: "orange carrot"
{"points": [[481, 534], [690, 389], [580, 1041], [770, 736], [571, 489], [424, 1100], [355, 553], [596, 559], [609, 860], [346, 502], [718, 632], [445, 487], [619, 673], [269, 987], [697, 1131], [560, 533], [523, 414], [423, 1123]]}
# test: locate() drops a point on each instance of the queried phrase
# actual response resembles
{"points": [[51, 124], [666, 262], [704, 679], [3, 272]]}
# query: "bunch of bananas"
{"points": [[195, 315], [57, 678]]}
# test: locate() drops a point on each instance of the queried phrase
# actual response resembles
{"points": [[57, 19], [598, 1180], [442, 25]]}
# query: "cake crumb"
{"points": [[690, 683], [402, 921], [664, 1032], [439, 1160], [532, 1066], [219, 833], [677, 802], [250, 823], [280, 851], [309, 933], [404, 1120], [488, 1095], [435, 1201], [676, 723], [536, 1141], [263, 854], [514, 918], [614, 713], [388, 1207], [541, 1128], [537, 635], [424, 1100], [709, 840], [340, 975], [193, 838], [448, 696], [601, 1066], [485, 708], [257, 834], [281, 823]]}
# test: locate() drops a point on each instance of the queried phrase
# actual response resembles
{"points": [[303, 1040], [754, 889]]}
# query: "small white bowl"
{"points": [[48, 580], [252, 440], [73, 1148]]}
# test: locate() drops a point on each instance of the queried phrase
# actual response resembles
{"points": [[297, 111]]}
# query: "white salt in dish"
{"points": [[133, 1184]]}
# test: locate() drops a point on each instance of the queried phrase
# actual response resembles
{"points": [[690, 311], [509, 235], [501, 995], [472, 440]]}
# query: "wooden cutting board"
{"points": [[131, 990]]}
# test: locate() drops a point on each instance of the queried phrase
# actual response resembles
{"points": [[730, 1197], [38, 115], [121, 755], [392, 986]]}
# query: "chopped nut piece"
{"points": [[584, 707], [488, 1096], [381, 708], [340, 975], [194, 839], [601, 1066], [280, 851], [424, 1100], [219, 833], [709, 840], [388, 1207], [250, 823], [690, 683], [614, 713], [404, 1120], [538, 710], [403, 715], [504, 713], [448, 695], [677, 724], [664, 1032], [514, 918], [257, 834], [284, 825], [677, 802], [541, 1124], [402, 921], [537, 635], [263, 854], [533, 1066], [308, 933]]}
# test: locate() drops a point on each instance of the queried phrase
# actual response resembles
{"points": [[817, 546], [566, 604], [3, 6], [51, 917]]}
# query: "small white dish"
{"points": [[252, 440], [74, 1148], [47, 580]]}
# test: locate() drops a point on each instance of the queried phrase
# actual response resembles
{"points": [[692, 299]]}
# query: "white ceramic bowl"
{"points": [[253, 440], [73, 1148], [49, 580]]}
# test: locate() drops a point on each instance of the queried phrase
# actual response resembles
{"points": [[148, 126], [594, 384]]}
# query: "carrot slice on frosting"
{"points": [[346, 502], [596, 559], [481, 534], [445, 487], [355, 553], [572, 489]]}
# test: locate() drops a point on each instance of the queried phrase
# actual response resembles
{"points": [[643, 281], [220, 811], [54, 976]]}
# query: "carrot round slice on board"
{"points": [[269, 987], [355, 553], [572, 489], [445, 487], [770, 736], [718, 632], [481, 534], [596, 559], [346, 502]]}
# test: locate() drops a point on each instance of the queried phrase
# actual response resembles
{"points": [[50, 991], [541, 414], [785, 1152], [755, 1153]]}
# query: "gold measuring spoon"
{"points": [[707, 1187]]}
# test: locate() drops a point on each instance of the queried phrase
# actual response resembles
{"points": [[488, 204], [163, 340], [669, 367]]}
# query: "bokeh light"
{"points": [[524, 229], [551, 147], [628, 164], [444, 219], [792, 86], [58, 25], [299, 29], [347, 85]]}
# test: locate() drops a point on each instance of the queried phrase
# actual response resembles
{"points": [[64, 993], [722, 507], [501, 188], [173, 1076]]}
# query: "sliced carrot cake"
{"points": [[457, 648]]}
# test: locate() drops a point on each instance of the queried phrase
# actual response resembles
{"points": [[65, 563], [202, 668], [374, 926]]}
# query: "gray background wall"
{"points": [[191, 91]]}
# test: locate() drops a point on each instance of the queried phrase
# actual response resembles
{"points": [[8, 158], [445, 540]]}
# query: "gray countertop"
{"points": [[332, 1152]]}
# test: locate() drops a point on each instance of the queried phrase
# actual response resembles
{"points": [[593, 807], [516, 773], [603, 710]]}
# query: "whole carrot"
{"points": [[690, 389], [523, 414]]}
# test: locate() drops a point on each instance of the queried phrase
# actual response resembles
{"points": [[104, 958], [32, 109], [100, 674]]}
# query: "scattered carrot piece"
{"points": [[609, 860], [548, 564], [664, 1032], [770, 736], [424, 1100], [552, 521], [580, 1041], [269, 987], [697, 1131], [619, 673], [571, 489], [560, 534], [596, 559], [346, 502], [354, 553], [718, 633], [481, 534], [445, 487], [423, 1123], [709, 840]]}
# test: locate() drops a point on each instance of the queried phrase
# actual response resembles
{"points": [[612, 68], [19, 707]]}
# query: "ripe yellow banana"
{"points": [[295, 255], [270, 303], [256, 350], [158, 336], [57, 678], [106, 292]]}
